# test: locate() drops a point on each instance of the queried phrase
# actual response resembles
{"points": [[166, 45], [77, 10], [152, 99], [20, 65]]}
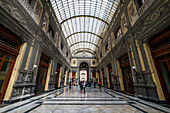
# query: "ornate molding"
{"points": [[154, 16]]}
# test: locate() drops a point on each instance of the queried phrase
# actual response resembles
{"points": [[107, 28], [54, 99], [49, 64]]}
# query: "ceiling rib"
{"points": [[84, 32], [87, 49], [83, 42], [84, 51], [84, 16]]}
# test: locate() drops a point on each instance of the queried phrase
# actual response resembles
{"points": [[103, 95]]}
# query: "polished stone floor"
{"points": [[93, 101]]}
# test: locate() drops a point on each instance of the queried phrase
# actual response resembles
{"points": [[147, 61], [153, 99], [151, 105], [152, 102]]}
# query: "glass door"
{"points": [[6, 65]]}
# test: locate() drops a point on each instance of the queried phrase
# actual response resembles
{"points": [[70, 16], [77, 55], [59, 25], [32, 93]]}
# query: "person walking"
{"points": [[100, 85], [84, 86], [70, 85], [77, 84], [94, 84], [81, 87]]}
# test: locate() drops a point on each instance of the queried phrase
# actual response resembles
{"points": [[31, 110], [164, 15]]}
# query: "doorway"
{"points": [[110, 75], [160, 49], [127, 74], [6, 65], [104, 79], [57, 75], [9, 49], [84, 72], [93, 77], [42, 74], [73, 81]]}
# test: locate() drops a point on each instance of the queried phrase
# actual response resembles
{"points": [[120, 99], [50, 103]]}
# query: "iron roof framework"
{"points": [[84, 22]]}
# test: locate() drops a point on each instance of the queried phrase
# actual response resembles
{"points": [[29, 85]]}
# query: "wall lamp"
{"points": [[134, 69], [43, 24], [125, 25], [34, 67]]}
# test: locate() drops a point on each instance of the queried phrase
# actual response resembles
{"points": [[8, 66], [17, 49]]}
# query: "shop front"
{"points": [[9, 50]]}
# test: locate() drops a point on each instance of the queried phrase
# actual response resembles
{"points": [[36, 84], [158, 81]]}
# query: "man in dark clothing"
{"points": [[81, 87], [84, 86], [94, 84], [100, 85], [70, 85]]}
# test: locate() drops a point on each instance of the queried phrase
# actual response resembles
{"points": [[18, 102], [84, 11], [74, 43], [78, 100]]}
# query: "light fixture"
{"points": [[35, 66], [44, 24], [133, 67], [125, 25]]}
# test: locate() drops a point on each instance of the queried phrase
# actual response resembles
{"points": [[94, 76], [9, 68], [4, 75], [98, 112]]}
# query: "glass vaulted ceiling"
{"points": [[84, 22]]}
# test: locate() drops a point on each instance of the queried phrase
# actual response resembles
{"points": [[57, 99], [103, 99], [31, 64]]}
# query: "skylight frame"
{"points": [[88, 16]]}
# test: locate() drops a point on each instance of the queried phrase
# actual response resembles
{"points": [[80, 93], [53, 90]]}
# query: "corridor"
{"points": [[93, 101]]}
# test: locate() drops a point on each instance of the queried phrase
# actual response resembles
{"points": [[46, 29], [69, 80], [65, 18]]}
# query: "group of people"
{"points": [[83, 85]]}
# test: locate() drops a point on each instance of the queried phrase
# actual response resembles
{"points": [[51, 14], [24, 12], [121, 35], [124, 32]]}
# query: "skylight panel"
{"points": [[83, 19]]}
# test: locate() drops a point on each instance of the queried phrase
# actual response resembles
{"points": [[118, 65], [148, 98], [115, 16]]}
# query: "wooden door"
{"points": [[6, 66], [160, 50], [127, 74], [9, 48], [110, 76], [163, 63], [57, 75], [73, 78], [42, 74], [128, 80], [104, 79]]}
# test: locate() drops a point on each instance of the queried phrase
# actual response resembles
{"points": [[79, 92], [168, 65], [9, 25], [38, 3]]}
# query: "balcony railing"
{"points": [[144, 7], [28, 8]]}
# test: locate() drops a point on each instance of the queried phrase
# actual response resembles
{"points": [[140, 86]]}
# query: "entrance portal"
{"points": [[84, 72], [83, 75]]}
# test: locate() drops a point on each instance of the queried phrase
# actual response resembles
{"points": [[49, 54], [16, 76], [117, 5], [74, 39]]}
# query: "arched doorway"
{"points": [[84, 72]]}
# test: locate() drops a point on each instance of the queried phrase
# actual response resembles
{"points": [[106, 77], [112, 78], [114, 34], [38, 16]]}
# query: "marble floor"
{"points": [[94, 100]]}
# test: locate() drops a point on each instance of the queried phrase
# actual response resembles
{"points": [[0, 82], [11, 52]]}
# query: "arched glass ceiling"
{"points": [[84, 21], [86, 37]]}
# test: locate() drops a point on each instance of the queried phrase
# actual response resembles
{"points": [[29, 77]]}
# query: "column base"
{"points": [[19, 98]]}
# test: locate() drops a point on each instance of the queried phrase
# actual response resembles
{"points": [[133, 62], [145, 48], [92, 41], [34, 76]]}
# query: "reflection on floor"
{"points": [[93, 101]]}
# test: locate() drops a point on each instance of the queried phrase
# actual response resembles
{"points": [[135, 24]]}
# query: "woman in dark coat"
{"points": [[81, 87]]}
